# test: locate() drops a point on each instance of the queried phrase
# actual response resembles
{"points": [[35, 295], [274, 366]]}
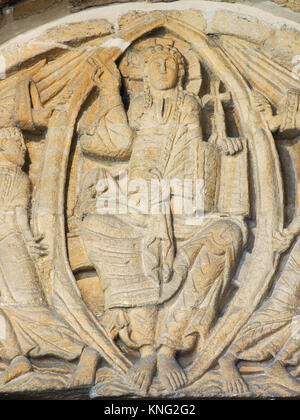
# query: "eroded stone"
{"points": [[146, 243]]}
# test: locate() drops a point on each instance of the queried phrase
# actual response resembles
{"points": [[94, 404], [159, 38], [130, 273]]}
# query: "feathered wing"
{"points": [[256, 68], [8, 89], [52, 81]]}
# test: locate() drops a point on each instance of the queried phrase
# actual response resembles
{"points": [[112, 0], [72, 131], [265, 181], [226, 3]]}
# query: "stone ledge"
{"points": [[25, 8], [77, 5]]}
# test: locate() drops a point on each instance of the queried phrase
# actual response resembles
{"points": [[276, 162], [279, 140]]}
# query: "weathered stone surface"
{"points": [[24, 8], [30, 7], [149, 204], [293, 4], [83, 4]]}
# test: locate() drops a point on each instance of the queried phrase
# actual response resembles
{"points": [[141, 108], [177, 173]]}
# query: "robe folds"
{"points": [[28, 327], [143, 259]]}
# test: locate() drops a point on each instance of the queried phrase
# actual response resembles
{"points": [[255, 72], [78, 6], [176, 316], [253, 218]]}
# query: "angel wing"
{"points": [[8, 89], [53, 80], [50, 84], [257, 67]]}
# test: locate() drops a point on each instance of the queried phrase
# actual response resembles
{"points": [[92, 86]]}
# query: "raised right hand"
{"points": [[106, 74]]}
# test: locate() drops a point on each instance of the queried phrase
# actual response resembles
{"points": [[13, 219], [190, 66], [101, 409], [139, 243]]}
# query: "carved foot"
{"points": [[18, 367], [234, 384], [277, 370], [86, 369], [141, 373], [171, 375]]}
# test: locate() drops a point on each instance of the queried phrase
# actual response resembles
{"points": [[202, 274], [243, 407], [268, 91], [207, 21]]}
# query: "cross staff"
{"points": [[230, 145]]}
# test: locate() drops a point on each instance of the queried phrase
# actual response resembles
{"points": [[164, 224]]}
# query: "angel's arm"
{"points": [[34, 245], [21, 202], [287, 120]]}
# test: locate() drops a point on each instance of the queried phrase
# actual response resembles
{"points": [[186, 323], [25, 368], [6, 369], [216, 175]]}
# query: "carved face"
{"points": [[163, 72], [14, 150]]}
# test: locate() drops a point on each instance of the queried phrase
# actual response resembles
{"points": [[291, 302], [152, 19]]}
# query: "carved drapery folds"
{"points": [[153, 217]]}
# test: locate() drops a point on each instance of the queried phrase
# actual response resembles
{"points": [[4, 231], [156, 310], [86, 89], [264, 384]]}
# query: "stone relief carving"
{"points": [[154, 254], [31, 329]]}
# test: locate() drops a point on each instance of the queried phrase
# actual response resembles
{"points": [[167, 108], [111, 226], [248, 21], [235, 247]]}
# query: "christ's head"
{"points": [[163, 67]]}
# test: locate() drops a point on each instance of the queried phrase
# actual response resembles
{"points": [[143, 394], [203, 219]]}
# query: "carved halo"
{"points": [[131, 64]]}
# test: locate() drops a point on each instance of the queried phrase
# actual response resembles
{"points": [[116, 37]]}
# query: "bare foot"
{"points": [[86, 369], [171, 375], [142, 372], [234, 384], [19, 366], [276, 370]]}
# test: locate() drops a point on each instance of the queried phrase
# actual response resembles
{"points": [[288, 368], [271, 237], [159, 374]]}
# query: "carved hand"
{"points": [[263, 105], [228, 145], [36, 248], [41, 116], [282, 240], [106, 74]]}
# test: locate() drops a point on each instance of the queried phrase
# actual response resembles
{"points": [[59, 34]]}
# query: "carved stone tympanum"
{"points": [[149, 212]]}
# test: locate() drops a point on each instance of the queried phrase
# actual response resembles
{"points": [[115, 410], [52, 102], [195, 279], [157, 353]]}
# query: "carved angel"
{"points": [[30, 328]]}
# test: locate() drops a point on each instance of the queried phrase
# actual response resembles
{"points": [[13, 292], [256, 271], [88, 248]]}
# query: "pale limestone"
{"points": [[165, 93]]}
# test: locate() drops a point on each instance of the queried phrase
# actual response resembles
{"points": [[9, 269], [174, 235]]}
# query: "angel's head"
{"points": [[12, 146], [163, 67]]}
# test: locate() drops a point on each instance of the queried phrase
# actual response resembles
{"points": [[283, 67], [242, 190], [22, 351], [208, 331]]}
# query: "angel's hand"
{"points": [[263, 105], [36, 248], [41, 116]]}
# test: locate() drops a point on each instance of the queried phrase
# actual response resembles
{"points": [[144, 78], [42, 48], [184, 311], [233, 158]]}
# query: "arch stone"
{"points": [[54, 62]]}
